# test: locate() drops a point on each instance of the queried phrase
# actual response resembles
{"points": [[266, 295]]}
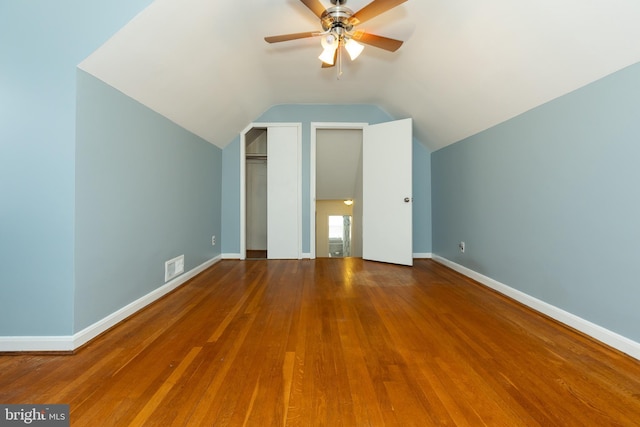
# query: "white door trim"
{"points": [[312, 173]]}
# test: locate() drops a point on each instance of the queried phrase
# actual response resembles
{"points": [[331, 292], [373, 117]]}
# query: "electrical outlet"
{"points": [[461, 246], [213, 240]]}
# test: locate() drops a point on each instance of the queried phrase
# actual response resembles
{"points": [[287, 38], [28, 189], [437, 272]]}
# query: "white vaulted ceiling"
{"points": [[466, 65]]}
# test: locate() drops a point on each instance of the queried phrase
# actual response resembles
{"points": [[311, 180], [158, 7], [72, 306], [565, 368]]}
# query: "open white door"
{"points": [[283, 193], [387, 233]]}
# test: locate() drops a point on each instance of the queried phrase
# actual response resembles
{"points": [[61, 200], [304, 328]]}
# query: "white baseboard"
{"points": [[230, 256], [422, 255], [17, 344], [70, 343], [613, 339]]}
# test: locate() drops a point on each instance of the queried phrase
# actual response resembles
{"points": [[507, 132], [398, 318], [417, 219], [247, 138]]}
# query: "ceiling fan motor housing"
{"points": [[337, 18]]}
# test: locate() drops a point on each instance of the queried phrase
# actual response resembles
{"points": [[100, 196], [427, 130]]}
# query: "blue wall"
{"points": [[548, 202], [421, 170], [146, 191], [41, 42], [306, 114], [231, 197]]}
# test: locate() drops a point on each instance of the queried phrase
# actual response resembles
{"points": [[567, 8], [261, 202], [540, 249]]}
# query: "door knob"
{"points": [[407, 200]]}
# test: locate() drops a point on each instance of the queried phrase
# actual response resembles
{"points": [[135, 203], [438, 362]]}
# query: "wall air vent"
{"points": [[174, 267]]}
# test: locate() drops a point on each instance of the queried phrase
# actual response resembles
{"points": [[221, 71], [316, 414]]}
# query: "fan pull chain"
{"points": [[339, 67]]}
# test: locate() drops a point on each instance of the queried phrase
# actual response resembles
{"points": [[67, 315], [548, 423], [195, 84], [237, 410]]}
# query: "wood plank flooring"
{"points": [[253, 254], [333, 342]]}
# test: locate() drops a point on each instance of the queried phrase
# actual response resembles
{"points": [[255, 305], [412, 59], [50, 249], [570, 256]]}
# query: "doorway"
{"points": [[336, 178], [334, 229], [339, 236], [256, 193], [382, 207]]}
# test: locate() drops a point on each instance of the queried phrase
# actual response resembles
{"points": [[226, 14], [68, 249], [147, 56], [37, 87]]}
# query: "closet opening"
{"points": [[256, 164], [271, 191]]}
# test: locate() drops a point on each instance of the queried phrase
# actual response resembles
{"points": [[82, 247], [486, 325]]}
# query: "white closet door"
{"points": [[283, 193], [387, 230]]}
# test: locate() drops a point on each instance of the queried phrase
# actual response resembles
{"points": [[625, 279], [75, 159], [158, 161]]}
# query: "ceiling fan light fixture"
{"points": [[329, 43], [327, 56], [354, 49]]}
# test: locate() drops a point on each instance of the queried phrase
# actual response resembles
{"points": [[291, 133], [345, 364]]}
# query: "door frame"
{"points": [[312, 172], [243, 182]]}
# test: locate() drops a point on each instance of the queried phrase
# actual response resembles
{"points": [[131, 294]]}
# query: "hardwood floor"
{"points": [[256, 254], [333, 342]]}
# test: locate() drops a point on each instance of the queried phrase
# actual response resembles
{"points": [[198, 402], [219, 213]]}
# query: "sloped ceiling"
{"points": [[465, 65], [338, 162]]}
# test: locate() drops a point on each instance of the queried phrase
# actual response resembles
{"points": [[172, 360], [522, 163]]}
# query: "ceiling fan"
{"points": [[338, 25]]}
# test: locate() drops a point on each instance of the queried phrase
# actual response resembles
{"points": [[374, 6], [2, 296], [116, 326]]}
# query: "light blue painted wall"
{"points": [[421, 169], [231, 197], [306, 114], [548, 202], [41, 42], [146, 192]]}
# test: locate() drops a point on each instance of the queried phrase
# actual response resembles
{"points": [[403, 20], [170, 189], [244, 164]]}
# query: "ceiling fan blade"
{"points": [[315, 6], [378, 41], [287, 37], [373, 9], [335, 60]]}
